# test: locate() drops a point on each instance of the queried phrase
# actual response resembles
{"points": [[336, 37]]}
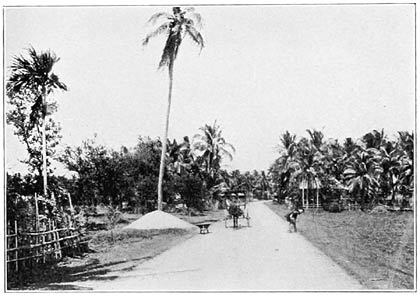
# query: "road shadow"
{"points": [[61, 276]]}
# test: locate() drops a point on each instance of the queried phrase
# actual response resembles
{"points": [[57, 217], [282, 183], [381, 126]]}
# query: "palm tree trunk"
{"points": [[164, 139], [303, 198], [363, 199], [44, 144], [392, 192]]}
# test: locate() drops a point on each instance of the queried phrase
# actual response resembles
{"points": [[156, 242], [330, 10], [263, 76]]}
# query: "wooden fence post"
{"points": [[43, 247], [16, 247], [303, 198], [317, 199], [71, 203], [36, 213], [57, 246]]}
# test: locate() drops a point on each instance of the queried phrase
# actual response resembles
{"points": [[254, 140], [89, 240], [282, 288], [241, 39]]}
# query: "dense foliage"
{"points": [[369, 171], [128, 178]]}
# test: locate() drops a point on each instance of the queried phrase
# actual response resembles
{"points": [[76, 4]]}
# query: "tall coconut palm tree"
{"points": [[175, 26], [34, 75]]}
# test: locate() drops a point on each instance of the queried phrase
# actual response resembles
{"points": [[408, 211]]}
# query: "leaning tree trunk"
{"points": [[44, 144], [164, 139]]}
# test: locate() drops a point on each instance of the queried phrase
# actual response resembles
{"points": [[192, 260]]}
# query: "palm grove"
{"points": [[166, 171], [371, 170]]}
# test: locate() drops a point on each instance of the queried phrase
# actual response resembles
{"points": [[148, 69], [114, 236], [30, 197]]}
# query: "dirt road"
{"points": [[263, 257]]}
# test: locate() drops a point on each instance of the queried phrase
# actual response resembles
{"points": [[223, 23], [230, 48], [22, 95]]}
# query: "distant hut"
{"points": [[308, 186]]}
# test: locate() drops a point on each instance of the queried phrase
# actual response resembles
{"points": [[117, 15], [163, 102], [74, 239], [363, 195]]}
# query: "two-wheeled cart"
{"points": [[237, 205]]}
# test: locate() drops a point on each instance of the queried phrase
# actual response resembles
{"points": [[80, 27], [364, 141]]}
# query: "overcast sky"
{"points": [[343, 69]]}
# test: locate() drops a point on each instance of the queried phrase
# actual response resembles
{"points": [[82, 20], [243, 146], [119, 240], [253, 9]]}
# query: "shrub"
{"points": [[191, 188], [334, 207]]}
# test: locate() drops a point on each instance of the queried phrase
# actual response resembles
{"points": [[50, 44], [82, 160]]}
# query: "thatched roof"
{"points": [[314, 184]]}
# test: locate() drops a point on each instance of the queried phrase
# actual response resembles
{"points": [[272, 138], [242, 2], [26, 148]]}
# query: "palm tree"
{"points": [[333, 159], [362, 173], [391, 163], [349, 147], [374, 139], [264, 185], [316, 138], [211, 146], [406, 145], [34, 75], [175, 26], [179, 156], [287, 149], [282, 168], [307, 166]]}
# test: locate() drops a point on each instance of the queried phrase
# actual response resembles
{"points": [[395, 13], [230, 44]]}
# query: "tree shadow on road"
{"points": [[60, 276]]}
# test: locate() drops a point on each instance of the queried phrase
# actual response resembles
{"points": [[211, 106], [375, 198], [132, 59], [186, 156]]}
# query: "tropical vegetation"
{"points": [[371, 170], [30, 82]]}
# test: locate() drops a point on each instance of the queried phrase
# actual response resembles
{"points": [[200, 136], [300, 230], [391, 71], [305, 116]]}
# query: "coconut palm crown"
{"points": [[175, 26]]}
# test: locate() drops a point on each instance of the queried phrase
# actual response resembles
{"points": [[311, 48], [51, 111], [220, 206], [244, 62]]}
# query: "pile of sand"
{"points": [[159, 220]]}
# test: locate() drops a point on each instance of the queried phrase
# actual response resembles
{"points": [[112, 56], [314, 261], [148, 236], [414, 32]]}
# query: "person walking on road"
{"points": [[291, 218]]}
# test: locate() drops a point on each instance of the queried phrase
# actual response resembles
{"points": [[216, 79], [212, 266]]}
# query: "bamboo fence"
{"points": [[50, 244]]}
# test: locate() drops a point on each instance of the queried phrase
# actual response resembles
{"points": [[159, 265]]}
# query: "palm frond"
{"points": [[226, 153], [195, 35], [161, 29], [230, 146], [54, 82], [194, 16], [155, 17]]}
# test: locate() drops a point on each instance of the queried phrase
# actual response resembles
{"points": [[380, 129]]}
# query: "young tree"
{"points": [[176, 26], [29, 132], [33, 76]]}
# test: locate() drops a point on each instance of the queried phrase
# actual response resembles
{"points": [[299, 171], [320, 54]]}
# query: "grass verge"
{"points": [[377, 249]]}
